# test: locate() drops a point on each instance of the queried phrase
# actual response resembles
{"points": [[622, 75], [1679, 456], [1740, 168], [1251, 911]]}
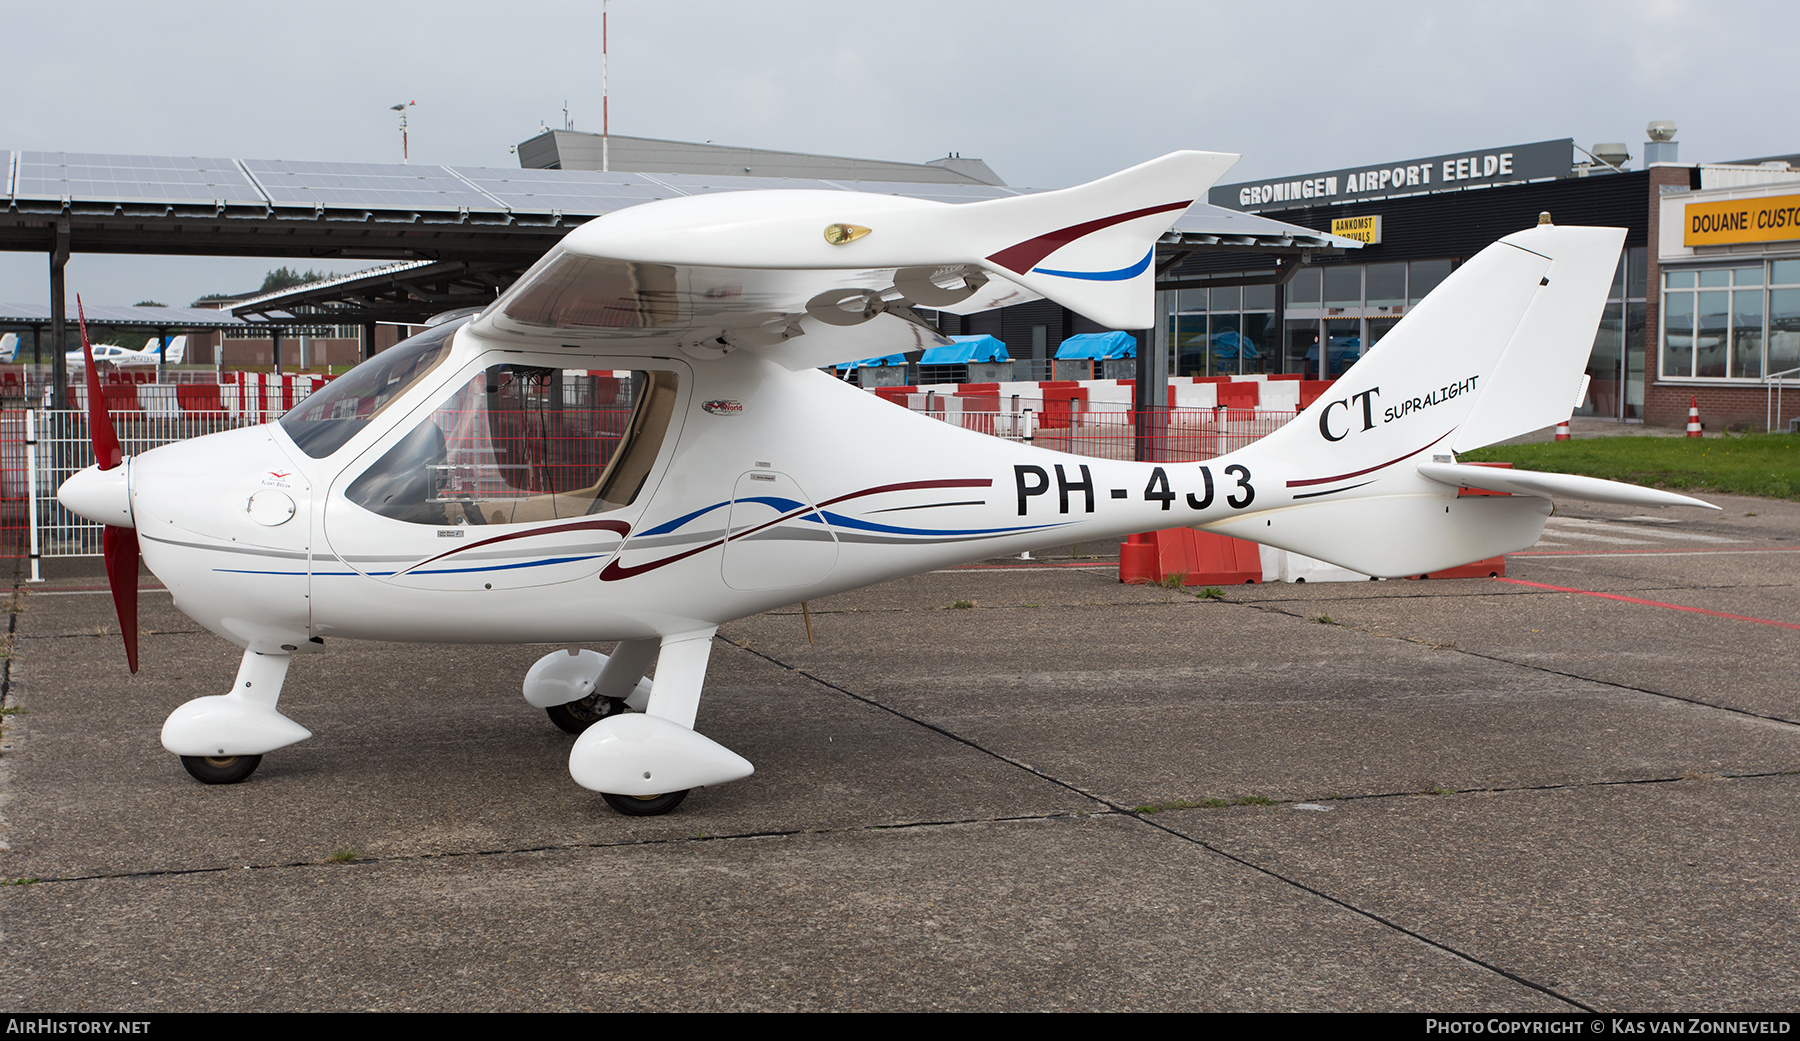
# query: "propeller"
{"points": [[118, 545]]}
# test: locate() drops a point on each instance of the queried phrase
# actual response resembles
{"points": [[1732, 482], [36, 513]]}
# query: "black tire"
{"points": [[645, 805], [577, 716], [221, 769]]}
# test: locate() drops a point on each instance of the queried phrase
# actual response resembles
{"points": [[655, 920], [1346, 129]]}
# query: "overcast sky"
{"points": [[1049, 92]]}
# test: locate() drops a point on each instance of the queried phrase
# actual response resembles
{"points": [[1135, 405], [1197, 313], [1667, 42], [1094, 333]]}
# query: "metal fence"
{"points": [[43, 447]]}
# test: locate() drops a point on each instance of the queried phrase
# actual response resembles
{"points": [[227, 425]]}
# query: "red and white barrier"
{"points": [[1260, 392], [256, 396]]}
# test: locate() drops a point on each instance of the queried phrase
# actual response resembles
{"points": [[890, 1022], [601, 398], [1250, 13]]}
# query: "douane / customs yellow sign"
{"points": [[1362, 229], [1768, 219]]}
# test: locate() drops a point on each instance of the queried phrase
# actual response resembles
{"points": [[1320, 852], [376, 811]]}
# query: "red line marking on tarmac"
{"points": [[1629, 552], [1648, 603], [1026, 567]]}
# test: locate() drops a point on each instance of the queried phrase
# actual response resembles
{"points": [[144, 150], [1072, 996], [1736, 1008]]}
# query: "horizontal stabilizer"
{"points": [[1393, 536], [1548, 485]]}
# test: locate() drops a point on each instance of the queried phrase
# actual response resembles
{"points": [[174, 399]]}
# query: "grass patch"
{"points": [[1211, 593], [1203, 804], [343, 856], [1766, 465], [962, 605], [1174, 581], [1325, 619]]}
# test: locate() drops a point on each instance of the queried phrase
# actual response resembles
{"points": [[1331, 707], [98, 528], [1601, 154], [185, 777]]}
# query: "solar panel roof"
{"points": [[366, 186], [934, 192], [707, 184], [564, 191], [105, 179], [100, 314], [81, 176]]}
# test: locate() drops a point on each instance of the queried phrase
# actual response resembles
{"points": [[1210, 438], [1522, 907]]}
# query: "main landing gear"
{"points": [[642, 760], [577, 716], [221, 769], [221, 739]]}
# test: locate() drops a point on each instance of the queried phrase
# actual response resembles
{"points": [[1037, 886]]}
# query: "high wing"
{"points": [[801, 275]]}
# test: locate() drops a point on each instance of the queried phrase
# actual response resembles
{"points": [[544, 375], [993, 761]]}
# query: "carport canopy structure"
{"points": [[464, 232], [163, 320]]}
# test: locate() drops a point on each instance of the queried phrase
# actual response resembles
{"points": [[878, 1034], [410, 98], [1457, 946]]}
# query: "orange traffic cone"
{"points": [[1693, 417], [1562, 430]]}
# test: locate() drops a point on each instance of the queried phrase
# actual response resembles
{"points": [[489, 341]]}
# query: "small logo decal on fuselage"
{"points": [[723, 407]]}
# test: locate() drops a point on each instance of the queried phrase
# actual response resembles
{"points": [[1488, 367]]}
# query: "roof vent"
{"points": [[1612, 153]]}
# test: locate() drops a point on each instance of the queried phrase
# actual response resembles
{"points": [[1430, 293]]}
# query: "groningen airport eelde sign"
{"points": [[1436, 173]]}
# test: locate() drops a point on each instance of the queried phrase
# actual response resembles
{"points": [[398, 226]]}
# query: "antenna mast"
{"points": [[605, 115], [403, 144]]}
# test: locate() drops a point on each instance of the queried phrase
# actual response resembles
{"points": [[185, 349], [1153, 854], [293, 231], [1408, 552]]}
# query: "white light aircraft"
{"points": [[458, 487], [114, 354]]}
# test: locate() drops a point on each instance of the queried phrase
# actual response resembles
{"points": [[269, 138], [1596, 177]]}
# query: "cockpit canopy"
{"points": [[327, 420]]}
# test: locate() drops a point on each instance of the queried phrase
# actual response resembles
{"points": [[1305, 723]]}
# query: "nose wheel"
{"points": [[644, 805], [221, 769]]}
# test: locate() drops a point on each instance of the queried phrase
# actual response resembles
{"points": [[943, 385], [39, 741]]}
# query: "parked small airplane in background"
{"points": [[109, 353], [454, 488]]}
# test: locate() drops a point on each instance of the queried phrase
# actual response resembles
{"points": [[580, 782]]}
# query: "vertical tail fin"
{"points": [[176, 351], [1495, 351]]}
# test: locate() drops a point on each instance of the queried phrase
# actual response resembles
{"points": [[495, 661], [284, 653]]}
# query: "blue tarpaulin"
{"points": [[1098, 346], [967, 349], [869, 363]]}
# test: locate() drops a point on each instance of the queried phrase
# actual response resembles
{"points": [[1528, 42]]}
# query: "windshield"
{"points": [[322, 423]]}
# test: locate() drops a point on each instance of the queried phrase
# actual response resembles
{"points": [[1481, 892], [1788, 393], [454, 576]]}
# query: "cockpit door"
{"points": [[522, 474]]}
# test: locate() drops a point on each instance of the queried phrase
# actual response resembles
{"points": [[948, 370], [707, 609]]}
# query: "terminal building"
{"points": [[1705, 305]]}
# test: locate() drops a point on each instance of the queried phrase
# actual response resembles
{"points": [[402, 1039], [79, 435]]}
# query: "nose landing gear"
{"points": [[221, 739]]}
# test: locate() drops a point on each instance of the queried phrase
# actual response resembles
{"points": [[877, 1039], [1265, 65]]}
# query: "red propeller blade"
{"points": [[118, 545], [106, 442]]}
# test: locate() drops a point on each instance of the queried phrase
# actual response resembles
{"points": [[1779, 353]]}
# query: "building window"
{"points": [[1615, 366], [1740, 322], [1348, 308], [1227, 331]]}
